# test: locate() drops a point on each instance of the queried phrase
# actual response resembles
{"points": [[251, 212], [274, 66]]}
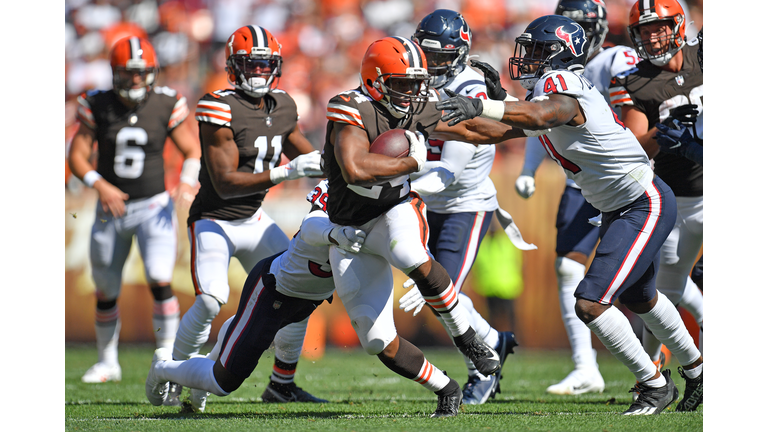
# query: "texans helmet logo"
{"points": [[576, 45], [464, 35]]}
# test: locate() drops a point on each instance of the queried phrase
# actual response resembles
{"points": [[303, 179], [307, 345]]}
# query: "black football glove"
{"points": [[461, 108], [492, 80], [685, 114], [678, 141]]}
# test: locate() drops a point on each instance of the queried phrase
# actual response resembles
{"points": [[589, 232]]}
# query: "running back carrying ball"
{"points": [[392, 143]]}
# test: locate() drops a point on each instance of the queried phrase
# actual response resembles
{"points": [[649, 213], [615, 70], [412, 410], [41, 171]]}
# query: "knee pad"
{"points": [[107, 283], [373, 339], [568, 271]]}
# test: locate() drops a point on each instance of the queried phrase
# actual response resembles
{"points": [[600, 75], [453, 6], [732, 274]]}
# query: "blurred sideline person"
{"points": [[454, 184], [372, 192], [243, 133], [668, 87], [576, 237], [130, 124], [583, 134]]}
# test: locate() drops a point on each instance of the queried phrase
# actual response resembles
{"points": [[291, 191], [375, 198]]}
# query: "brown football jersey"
{"points": [[259, 135], [655, 92], [356, 205], [131, 140]]}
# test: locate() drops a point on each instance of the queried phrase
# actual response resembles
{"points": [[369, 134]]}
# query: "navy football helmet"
{"points": [[445, 38], [591, 16], [552, 42]]}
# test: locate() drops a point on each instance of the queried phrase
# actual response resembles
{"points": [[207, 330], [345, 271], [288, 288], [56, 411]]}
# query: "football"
{"points": [[392, 143]]}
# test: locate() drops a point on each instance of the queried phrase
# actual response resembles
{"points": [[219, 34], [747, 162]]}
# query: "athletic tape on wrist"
{"points": [[91, 177], [190, 170], [493, 109]]}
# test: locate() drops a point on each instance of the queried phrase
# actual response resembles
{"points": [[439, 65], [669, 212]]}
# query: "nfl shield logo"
{"points": [[277, 304], [679, 80], [269, 121]]}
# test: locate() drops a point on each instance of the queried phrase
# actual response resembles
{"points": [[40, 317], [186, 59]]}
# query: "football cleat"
{"points": [[659, 365], [174, 394], [694, 392], [485, 358], [448, 405], [505, 347], [197, 399], [478, 390], [652, 400], [579, 381], [156, 391], [282, 393], [101, 373]]}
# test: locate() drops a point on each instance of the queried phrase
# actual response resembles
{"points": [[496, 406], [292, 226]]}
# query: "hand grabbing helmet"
{"points": [[253, 60], [591, 16], [551, 42], [134, 68], [657, 48], [445, 38], [394, 75]]}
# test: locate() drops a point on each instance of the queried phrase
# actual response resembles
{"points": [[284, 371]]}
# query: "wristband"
{"points": [[190, 170], [493, 109], [91, 177], [511, 98]]}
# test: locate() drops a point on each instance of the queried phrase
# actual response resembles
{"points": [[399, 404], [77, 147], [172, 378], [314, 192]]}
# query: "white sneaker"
{"points": [[579, 381], [156, 391], [198, 398], [101, 373]]}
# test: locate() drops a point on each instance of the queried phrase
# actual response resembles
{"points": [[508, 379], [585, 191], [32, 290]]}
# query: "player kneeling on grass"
{"points": [[280, 290]]}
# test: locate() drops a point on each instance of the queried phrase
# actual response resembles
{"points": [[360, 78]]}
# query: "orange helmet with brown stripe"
{"points": [[658, 49], [134, 68], [394, 73], [253, 60]]}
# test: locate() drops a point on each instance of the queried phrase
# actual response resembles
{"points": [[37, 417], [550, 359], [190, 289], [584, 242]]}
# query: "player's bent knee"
{"points": [[227, 381], [373, 340], [210, 305]]}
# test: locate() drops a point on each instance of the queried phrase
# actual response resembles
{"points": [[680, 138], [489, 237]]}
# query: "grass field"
{"points": [[364, 395]]}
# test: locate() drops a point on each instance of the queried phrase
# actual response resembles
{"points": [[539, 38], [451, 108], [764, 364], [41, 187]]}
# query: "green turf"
{"points": [[364, 395]]}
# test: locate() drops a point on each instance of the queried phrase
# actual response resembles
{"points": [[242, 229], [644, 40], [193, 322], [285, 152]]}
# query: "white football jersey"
{"points": [[602, 156], [455, 177], [303, 270], [600, 69]]}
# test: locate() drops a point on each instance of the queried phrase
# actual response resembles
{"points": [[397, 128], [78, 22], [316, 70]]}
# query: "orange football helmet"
{"points": [[650, 11], [133, 58], [253, 60], [394, 73]]}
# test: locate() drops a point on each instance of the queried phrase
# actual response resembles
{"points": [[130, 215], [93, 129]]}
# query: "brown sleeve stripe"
{"points": [[213, 112], [342, 113], [180, 112], [84, 113]]}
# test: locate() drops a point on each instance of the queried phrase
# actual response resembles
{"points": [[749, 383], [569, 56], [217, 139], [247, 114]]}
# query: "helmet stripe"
{"points": [[259, 36], [414, 59], [136, 51]]}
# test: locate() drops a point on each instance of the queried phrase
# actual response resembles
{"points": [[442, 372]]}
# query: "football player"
{"points": [[585, 137], [244, 132], [280, 290], [129, 125], [576, 237], [454, 184], [372, 192], [667, 87]]}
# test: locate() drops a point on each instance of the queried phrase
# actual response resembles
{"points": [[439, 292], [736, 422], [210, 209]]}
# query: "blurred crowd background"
{"points": [[323, 42]]}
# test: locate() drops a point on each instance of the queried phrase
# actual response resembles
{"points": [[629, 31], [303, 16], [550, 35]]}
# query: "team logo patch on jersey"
{"points": [[276, 305], [680, 80], [576, 45], [269, 121]]}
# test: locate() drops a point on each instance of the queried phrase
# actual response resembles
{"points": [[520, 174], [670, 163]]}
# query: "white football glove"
{"points": [[412, 299], [418, 148], [347, 238], [525, 185], [301, 166]]}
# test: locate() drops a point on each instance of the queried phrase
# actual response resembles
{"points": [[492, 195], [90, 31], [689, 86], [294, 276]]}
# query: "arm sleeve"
{"points": [[438, 175], [315, 228]]}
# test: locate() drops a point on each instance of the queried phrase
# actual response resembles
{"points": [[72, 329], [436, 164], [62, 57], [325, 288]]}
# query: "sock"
{"points": [[651, 344], [569, 274], [615, 332], [695, 372], [288, 343], [196, 372], [693, 301], [667, 325], [216, 351], [409, 362], [656, 383], [437, 290], [165, 320], [107, 332], [195, 327]]}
